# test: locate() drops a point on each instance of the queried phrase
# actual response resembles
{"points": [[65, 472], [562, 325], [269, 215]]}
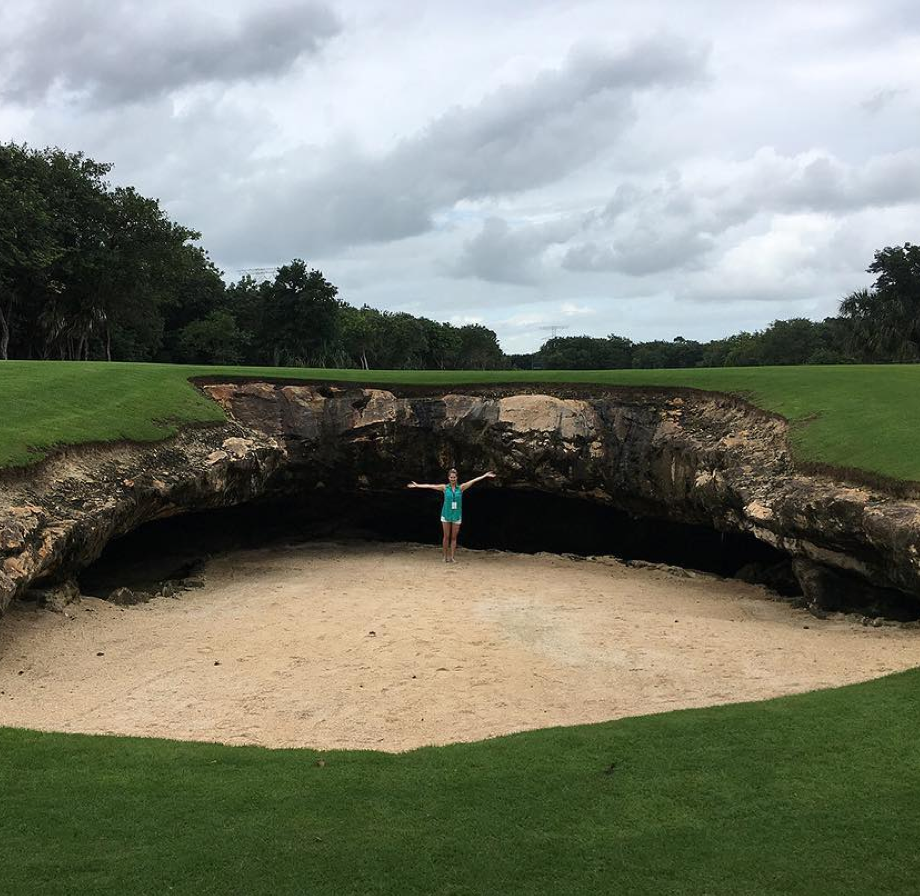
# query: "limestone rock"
{"points": [[237, 447], [58, 517], [377, 407], [126, 597], [302, 412], [465, 409], [829, 590], [547, 414], [18, 526], [57, 596]]}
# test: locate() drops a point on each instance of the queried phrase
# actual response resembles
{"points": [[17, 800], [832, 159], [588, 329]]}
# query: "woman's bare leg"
{"points": [[455, 531], [445, 543]]}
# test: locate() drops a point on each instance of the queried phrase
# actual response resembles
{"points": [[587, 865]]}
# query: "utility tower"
{"points": [[265, 273], [554, 329]]}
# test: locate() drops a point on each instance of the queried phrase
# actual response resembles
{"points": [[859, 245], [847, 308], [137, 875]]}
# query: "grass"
{"points": [[812, 794], [862, 417]]}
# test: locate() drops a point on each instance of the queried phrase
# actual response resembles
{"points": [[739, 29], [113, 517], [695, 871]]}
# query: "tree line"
{"points": [[297, 319], [92, 271], [88, 270], [874, 326]]}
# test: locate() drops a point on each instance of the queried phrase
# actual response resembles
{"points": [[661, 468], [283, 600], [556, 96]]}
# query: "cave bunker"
{"points": [[331, 622]]}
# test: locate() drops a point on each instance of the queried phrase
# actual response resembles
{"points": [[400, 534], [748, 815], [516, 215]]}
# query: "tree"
{"points": [[403, 342], [834, 341], [742, 350], [523, 361], [443, 345], [618, 352], [789, 341], [215, 339], [661, 354], [885, 320], [247, 300], [143, 269], [358, 331], [87, 270], [28, 242], [192, 289], [479, 348], [586, 353], [301, 319]]}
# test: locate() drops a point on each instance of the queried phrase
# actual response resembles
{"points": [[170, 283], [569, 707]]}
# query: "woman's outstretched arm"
{"points": [[436, 487], [465, 485]]}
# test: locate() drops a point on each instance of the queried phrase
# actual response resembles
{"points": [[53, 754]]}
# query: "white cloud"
{"points": [[462, 320], [573, 309]]}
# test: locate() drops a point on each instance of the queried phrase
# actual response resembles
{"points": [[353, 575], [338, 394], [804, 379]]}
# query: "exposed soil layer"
{"points": [[384, 646]]}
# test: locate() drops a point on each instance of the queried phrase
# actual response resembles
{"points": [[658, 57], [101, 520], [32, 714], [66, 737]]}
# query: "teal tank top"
{"points": [[453, 504]]}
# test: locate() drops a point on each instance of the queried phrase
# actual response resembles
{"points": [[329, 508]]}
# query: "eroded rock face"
{"points": [[58, 518], [691, 457]]}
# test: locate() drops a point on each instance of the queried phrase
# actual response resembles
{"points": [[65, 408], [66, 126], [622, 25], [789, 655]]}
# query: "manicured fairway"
{"points": [[865, 417], [814, 794]]}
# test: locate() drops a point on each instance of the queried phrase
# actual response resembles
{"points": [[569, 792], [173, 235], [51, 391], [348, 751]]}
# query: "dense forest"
{"points": [[92, 271]]}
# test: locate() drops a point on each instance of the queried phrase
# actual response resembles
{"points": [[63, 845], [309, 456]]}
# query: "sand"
{"points": [[385, 647]]}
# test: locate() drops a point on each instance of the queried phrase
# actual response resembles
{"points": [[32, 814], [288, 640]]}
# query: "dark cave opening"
{"points": [[524, 521]]}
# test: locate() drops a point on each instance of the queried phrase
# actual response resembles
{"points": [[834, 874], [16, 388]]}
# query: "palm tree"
{"points": [[885, 320]]}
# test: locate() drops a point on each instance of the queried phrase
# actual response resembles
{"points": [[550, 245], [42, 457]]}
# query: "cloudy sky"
{"points": [[652, 169]]}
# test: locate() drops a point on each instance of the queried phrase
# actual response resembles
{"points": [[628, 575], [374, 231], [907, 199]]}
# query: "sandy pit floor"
{"points": [[383, 646]]}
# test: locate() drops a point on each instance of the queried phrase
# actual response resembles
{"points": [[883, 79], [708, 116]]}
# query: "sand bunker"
{"points": [[385, 647]]}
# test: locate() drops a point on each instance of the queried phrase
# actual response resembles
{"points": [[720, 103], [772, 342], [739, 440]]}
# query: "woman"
{"points": [[452, 508]]}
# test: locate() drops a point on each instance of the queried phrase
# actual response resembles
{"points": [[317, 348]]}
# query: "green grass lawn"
{"points": [[813, 794], [862, 417]]}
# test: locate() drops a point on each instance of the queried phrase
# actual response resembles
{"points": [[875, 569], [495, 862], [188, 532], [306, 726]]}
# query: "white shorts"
{"points": [[455, 522]]}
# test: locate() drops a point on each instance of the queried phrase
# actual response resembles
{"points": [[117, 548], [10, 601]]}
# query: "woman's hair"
{"points": [[451, 470]]}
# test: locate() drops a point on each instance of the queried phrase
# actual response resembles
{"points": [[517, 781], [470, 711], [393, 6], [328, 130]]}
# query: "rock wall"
{"points": [[691, 456], [682, 455], [58, 517]]}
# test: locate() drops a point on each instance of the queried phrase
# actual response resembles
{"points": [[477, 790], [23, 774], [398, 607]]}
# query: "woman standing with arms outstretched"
{"points": [[452, 508]]}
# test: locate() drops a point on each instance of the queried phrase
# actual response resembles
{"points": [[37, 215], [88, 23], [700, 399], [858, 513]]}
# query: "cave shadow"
{"points": [[519, 520]]}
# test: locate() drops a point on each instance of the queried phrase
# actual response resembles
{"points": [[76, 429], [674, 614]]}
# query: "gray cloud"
{"points": [[882, 98], [502, 254], [518, 138], [127, 51], [644, 251], [674, 224], [822, 182]]}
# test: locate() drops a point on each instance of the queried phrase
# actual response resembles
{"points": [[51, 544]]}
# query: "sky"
{"points": [[647, 169]]}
